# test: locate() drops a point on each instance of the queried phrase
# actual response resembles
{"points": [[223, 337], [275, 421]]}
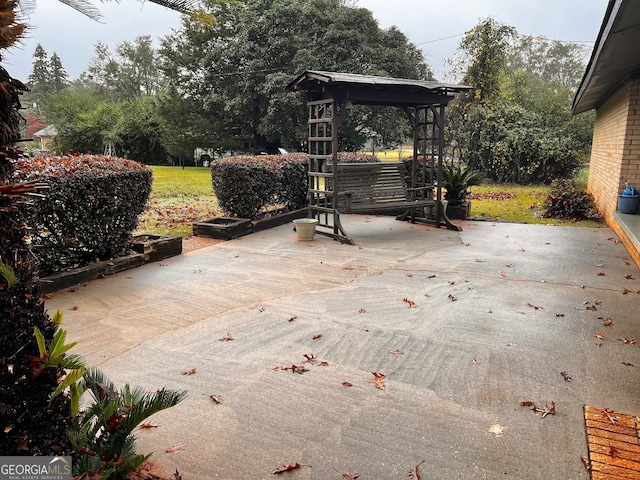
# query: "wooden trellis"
{"points": [[413, 189]]}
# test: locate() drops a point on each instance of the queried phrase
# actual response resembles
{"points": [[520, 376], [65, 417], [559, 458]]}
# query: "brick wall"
{"points": [[615, 153], [607, 151]]}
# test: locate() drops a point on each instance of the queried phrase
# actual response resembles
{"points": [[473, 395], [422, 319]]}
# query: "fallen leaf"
{"points": [[362, 310], [496, 429], [324, 364], [606, 322], [148, 425], [587, 464], [378, 380], [294, 368], [629, 277], [535, 307], [347, 384], [599, 335], [628, 341], [348, 476], [309, 358], [607, 413], [414, 474], [216, 398], [566, 376], [411, 303], [74, 308], [431, 276], [628, 364], [288, 467], [452, 298], [226, 338], [601, 274], [191, 371], [316, 336], [261, 309], [543, 411], [475, 361], [396, 352], [175, 449], [291, 319], [176, 475]]}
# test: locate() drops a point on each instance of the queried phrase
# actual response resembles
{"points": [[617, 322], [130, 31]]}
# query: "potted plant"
{"points": [[456, 180]]}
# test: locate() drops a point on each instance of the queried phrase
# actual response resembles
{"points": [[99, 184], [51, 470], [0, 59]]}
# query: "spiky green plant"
{"points": [[456, 180], [103, 432]]}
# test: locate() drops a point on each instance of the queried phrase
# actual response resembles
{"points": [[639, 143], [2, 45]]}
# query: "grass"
{"points": [[516, 203], [520, 203], [178, 198], [182, 196]]}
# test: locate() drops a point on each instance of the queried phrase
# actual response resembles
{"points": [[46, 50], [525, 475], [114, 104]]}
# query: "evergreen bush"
{"points": [[91, 210], [248, 185]]}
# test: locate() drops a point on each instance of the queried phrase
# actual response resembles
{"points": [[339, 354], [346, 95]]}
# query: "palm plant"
{"points": [[103, 433], [456, 180]]}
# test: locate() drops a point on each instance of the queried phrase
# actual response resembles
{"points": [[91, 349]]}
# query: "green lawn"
{"points": [[516, 203], [179, 197], [182, 196]]}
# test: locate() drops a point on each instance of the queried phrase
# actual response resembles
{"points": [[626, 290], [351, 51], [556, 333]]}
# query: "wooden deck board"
{"points": [[613, 440]]}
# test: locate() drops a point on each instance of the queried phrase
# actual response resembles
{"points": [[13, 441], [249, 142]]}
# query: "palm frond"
{"points": [[182, 6], [84, 7]]}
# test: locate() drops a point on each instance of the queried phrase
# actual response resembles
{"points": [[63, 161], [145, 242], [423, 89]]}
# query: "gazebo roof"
{"points": [[373, 90]]}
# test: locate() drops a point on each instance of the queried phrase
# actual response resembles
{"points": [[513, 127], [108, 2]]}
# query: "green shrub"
{"points": [[90, 210], [568, 200], [356, 157], [510, 144], [247, 185]]}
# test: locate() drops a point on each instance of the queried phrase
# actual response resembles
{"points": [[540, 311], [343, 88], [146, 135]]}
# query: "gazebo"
{"points": [[406, 187]]}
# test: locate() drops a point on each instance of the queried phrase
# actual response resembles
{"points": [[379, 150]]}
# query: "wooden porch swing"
{"points": [[405, 188]]}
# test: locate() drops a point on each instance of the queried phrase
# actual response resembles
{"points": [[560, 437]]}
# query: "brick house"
{"points": [[611, 86]]}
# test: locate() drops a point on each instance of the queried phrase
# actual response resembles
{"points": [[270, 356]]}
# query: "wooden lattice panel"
{"points": [[614, 444]]}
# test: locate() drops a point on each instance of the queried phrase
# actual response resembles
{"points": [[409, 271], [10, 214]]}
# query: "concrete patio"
{"points": [[464, 326]]}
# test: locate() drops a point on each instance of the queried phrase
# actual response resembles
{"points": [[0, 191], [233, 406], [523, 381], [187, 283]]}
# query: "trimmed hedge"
{"points": [[90, 210], [246, 186]]}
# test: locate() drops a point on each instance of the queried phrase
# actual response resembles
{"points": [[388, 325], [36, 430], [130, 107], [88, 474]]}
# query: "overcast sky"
{"points": [[427, 23]]}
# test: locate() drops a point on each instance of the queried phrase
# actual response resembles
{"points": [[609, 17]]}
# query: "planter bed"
{"points": [[223, 228], [61, 280], [156, 247], [147, 248], [227, 228]]}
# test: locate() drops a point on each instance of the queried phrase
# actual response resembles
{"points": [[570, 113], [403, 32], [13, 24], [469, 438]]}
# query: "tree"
{"points": [[58, 77], [517, 126], [486, 48], [239, 69], [39, 79], [138, 73]]}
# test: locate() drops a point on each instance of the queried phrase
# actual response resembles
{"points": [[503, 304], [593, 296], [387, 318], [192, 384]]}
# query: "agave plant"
{"points": [[103, 433], [456, 180]]}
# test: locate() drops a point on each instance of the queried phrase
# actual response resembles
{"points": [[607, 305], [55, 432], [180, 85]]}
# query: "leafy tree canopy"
{"points": [[239, 69]]}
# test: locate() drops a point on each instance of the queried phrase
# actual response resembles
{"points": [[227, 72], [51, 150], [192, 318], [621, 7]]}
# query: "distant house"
{"points": [[44, 136], [611, 86]]}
